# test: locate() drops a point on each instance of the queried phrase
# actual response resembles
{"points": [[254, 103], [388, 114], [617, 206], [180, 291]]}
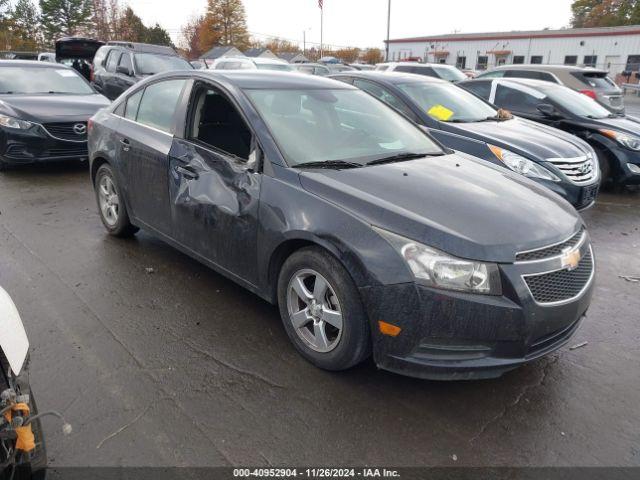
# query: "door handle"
{"points": [[126, 145], [187, 173]]}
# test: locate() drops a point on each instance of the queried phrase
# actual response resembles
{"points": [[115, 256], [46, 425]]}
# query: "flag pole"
{"points": [[321, 29]]}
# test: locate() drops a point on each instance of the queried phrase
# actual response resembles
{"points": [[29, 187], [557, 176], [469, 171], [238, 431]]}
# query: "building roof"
{"points": [[217, 52], [288, 56], [256, 52], [563, 33]]}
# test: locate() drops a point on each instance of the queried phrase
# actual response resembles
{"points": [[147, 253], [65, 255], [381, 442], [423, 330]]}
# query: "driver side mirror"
{"points": [[548, 110], [124, 70]]}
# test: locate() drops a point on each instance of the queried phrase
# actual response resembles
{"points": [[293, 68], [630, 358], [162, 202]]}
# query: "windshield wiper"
{"points": [[337, 164], [403, 157]]}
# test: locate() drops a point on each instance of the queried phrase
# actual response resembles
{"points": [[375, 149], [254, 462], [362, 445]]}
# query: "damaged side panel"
{"points": [[214, 206]]}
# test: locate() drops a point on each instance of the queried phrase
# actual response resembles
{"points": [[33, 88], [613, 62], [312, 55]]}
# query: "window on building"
{"points": [[442, 60], [571, 60], [482, 63], [590, 60], [518, 59], [536, 59], [633, 63], [461, 62]]}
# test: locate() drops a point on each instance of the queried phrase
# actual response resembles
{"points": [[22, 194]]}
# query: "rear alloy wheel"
{"points": [[322, 311], [113, 211]]}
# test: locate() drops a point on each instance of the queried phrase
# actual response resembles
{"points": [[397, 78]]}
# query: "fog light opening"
{"points": [[634, 168]]}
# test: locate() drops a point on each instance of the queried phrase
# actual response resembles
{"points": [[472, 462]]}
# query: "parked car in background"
{"points": [[77, 53], [437, 70], [47, 57], [199, 65], [44, 109], [362, 66], [27, 458], [592, 82], [614, 137], [119, 65], [312, 69], [368, 234], [463, 122], [247, 63], [470, 73]]}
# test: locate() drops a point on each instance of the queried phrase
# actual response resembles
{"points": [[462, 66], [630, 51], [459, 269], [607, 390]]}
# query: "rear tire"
{"points": [[111, 206], [322, 311]]}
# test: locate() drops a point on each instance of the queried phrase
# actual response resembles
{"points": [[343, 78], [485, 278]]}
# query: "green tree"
{"points": [[65, 17], [158, 36], [605, 13], [131, 27], [25, 21], [225, 23]]}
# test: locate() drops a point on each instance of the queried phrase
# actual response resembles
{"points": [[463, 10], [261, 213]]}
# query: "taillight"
{"points": [[91, 75], [589, 93]]}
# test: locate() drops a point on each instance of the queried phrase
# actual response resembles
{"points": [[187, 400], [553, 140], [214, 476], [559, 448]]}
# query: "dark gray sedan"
{"points": [[368, 234]]}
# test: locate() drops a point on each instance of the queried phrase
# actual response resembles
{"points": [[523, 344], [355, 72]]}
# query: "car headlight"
{"points": [[10, 122], [626, 140], [437, 269], [522, 165]]}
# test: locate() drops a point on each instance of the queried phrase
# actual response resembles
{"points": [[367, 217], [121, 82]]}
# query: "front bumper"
{"points": [[19, 147], [580, 196], [458, 336]]}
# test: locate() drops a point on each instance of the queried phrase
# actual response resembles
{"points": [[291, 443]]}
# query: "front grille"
{"points": [[579, 169], [550, 251], [72, 151], [65, 131], [561, 285]]}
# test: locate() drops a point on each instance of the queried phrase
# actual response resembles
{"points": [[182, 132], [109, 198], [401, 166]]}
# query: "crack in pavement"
{"points": [[519, 397]]}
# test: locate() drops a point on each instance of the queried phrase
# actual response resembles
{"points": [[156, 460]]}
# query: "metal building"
{"points": [[613, 48]]}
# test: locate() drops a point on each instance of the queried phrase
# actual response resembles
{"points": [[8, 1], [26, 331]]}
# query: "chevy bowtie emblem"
{"points": [[571, 259], [80, 128]]}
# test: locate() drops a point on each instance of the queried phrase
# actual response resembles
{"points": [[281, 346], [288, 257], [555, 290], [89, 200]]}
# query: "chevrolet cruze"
{"points": [[370, 236]]}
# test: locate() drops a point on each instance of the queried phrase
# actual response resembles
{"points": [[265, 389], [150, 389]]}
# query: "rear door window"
{"points": [[383, 94], [112, 60], [516, 100], [159, 103], [125, 61], [481, 89], [131, 108]]}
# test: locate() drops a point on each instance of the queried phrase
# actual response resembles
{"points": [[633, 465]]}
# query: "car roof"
{"points": [[416, 64], [143, 47], [33, 64], [393, 78], [309, 64], [536, 84], [267, 80], [547, 68]]}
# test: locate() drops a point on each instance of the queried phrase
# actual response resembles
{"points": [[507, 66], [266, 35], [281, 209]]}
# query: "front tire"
{"points": [[322, 311], [113, 211], [605, 167]]}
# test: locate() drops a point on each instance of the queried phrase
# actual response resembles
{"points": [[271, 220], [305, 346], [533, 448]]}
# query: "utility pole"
{"points": [[388, 29], [304, 42], [321, 29]]}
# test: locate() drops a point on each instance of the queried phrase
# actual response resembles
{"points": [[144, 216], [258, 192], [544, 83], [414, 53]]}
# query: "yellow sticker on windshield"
{"points": [[440, 112]]}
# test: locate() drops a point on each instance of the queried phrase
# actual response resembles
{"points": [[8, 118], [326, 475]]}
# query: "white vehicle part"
{"points": [[13, 338]]}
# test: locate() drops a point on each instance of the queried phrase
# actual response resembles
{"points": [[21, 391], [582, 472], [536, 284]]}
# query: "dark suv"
{"points": [[119, 65]]}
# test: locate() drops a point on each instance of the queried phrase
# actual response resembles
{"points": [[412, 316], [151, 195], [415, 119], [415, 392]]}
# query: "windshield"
{"points": [[150, 64], [34, 80], [447, 103], [283, 67], [576, 103], [451, 74], [337, 125]]}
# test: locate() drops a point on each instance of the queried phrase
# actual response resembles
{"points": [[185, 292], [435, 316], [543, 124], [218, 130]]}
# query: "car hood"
{"points": [[455, 203], [48, 108], [624, 124], [534, 140]]}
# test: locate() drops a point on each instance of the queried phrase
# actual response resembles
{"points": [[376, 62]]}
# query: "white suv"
{"points": [[247, 63], [437, 70]]}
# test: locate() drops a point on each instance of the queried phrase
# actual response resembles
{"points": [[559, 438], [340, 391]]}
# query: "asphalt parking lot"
{"points": [[157, 360]]}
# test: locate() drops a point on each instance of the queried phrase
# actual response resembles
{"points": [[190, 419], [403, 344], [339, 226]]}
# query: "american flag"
{"points": [[321, 4]]}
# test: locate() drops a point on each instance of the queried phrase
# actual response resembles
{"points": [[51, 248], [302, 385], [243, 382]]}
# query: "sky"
{"points": [[363, 23]]}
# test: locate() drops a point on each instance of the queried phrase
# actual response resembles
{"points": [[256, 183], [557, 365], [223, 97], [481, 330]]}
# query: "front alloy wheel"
{"points": [[322, 311], [108, 200], [314, 310]]}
